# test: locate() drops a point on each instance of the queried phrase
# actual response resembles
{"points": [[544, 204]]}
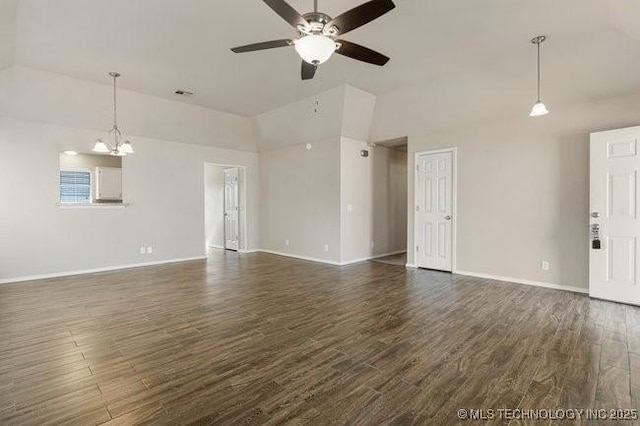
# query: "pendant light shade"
{"points": [[118, 147], [101, 147], [539, 109], [127, 148]]}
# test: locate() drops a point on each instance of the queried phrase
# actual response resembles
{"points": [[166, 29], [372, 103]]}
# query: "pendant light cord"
{"points": [[538, 71], [315, 6], [115, 120]]}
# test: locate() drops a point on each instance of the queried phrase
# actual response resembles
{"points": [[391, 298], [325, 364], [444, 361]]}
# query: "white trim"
{"points": [[295, 256], [454, 207], [377, 256], [248, 251], [93, 271], [329, 262], [105, 206], [215, 246], [525, 282], [243, 241], [411, 265]]}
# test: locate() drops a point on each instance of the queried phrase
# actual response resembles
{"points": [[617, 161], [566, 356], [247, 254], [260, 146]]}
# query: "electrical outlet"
{"points": [[149, 249], [545, 265], [326, 247], [142, 250], [286, 243]]}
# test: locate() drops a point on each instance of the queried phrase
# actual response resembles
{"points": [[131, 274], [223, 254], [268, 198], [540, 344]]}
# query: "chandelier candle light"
{"points": [[118, 147], [539, 108]]}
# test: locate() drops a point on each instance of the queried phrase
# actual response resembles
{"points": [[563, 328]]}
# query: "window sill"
{"points": [[105, 206]]}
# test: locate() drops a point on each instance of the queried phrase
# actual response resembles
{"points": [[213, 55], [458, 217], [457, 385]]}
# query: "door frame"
{"points": [[243, 241], [238, 209], [454, 203]]}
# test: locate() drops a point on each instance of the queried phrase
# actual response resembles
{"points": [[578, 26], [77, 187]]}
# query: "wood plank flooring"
{"points": [[262, 339]]}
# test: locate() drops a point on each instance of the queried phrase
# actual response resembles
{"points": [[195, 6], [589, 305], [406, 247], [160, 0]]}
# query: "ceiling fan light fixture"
{"points": [[315, 49], [538, 110]]}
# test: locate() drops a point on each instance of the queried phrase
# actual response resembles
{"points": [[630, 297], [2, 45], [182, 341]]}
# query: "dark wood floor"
{"points": [[261, 339]]}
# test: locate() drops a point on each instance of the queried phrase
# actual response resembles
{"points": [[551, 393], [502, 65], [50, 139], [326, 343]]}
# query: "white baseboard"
{"points": [[95, 270], [215, 246], [411, 265], [524, 281], [248, 251], [295, 256], [330, 262], [377, 256]]}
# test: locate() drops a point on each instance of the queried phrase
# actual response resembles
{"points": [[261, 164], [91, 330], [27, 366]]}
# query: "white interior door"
{"points": [[615, 228], [231, 210], [434, 211]]}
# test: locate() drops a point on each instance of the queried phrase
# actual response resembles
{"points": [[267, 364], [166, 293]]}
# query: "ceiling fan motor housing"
{"points": [[317, 22]]}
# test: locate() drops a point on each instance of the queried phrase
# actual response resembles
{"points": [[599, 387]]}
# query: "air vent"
{"points": [[183, 92]]}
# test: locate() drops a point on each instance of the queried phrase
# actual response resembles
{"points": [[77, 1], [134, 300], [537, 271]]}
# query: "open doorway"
{"points": [[224, 207], [390, 164]]}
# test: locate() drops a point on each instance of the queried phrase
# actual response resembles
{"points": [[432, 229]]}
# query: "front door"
{"points": [[434, 211], [231, 211], [615, 227]]}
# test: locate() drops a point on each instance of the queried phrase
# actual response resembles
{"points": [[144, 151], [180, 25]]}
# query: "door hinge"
{"points": [[417, 208], [417, 248]]}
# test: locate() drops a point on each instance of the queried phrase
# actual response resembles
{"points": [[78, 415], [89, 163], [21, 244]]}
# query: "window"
{"points": [[75, 187]]}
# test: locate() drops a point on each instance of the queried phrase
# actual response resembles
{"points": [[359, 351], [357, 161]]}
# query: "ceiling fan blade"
{"points": [[361, 53], [360, 15], [308, 70], [287, 13], [263, 45]]}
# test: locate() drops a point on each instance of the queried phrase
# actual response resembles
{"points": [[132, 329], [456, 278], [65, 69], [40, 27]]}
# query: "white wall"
{"points": [[373, 201], [523, 185], [214, 204], [45, 97], [300, 200], [163, 182]]}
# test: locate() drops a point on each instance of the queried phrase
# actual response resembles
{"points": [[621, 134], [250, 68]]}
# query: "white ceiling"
{"points": [[441, 47]]}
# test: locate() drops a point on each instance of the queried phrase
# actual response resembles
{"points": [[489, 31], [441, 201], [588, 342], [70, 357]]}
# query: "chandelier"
{"points": [[115, 146]]}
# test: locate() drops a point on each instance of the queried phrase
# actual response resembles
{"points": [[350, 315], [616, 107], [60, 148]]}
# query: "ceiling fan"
{"points": [[319, 34]]}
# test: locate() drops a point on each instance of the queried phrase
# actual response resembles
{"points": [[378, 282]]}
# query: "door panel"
{"points": [[434, 211], [614, 222], [231, 210]]}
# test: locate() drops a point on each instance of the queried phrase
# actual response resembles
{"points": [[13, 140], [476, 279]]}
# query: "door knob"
{"points": [[447, 217]]}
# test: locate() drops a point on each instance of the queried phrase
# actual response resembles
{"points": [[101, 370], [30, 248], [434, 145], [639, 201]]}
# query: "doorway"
{"points": [[435, 209], [224, 207], [389, 164]]}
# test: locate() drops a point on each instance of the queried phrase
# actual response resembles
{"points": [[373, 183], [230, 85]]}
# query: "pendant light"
{"points": [[539, 108], [118, 147]]}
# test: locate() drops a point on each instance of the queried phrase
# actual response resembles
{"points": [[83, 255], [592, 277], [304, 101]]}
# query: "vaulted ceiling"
{"points": [[442, 47]]}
